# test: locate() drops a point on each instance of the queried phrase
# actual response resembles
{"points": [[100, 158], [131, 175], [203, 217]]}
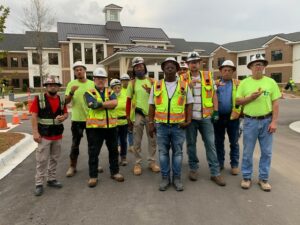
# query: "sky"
{"points": [[209, 21]]}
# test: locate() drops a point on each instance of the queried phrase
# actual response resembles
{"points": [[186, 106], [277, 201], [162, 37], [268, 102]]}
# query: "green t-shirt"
{"points": [[79, 107], [140, 93], [263, 104]]}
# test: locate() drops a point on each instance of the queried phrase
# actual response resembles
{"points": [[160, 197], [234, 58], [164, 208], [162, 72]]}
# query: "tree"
{"points": [[38, 18]]}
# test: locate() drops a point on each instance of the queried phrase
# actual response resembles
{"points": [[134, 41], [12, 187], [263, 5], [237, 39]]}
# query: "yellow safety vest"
{"points": [[207, 92], [170, 110], [236, 110], [121, 107], [101, 118]]}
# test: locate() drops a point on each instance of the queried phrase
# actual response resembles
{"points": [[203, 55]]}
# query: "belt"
{"points": [[259, 117], [139, 111]]}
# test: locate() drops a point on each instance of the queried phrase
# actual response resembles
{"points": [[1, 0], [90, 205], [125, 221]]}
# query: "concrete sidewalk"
{"points": [[295, 126]]}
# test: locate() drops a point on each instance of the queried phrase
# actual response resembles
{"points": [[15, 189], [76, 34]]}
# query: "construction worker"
{"points": [[125, 79], [229, 114], [137, 114], [170, 107], [205, 112], [115, 85], [101, 124], [258, 94], [183, 71], [48, 112], [74, 94], [290, 84]]}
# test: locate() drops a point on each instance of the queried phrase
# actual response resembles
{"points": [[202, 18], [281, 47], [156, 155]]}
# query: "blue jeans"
{"points": [[206, 129], [122, 138], [170, 136], [224, 124], [257, 129], [130, 138]]}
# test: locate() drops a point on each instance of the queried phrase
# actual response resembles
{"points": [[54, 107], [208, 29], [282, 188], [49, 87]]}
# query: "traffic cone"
{"points": [[15, 119], [24, 115], [3, 122]]}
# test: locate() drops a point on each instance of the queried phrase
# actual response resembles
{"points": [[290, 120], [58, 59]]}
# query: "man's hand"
{"points": [[147, 89], [130, 125], [152, 129], [74, 88], [37, 137], [60, 118], [215, 116], [184, 125], [256, 94], [272, 127]]}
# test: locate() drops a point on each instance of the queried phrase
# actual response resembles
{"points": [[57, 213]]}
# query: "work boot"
{"points": [[177, 182], [193, 175], [264, 185], [100, 169], [92, 182], [246, 183], [54, 183], [164, 184], [123, 161], [154, 167], [219, 180], [39, 190], [235, 171], [118, 177], [131, 149], [72, 169], [137, 170]]}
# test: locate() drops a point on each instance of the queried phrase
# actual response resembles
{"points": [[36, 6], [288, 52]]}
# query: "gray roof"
{"points": [[182, 45], [124, 36], [113, 6], [144, 49], [292, 36], [17, 42]]}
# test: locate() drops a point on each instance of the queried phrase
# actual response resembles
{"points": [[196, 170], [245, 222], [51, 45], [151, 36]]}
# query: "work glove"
{"points": [[215, 117]]}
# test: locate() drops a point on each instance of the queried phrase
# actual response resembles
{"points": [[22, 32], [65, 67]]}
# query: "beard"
{"points": [[52, 93]]}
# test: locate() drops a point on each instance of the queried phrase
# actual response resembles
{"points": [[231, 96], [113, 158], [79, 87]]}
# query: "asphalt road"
{"points": [[138, 201]]}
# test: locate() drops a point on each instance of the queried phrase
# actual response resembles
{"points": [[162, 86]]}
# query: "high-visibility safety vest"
{"points": [[185, 77], [101, 118], [121, 107], [169, 110], [236, 109], [207, 92]]}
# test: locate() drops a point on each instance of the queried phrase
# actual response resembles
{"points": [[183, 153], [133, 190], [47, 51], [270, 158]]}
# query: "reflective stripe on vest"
{"points": [[101, 118], [49, 121], [169, 110]]}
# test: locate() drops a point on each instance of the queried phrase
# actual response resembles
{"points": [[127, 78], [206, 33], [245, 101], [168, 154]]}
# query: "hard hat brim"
{"points": [[193, 59], [233, 67], [45, 84], [74, 67], [175, 62], [265, 62]]}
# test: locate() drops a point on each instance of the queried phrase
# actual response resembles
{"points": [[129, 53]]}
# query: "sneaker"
{"points": [[71, 171], [178, 183], [137, 170], [235, 171], [54, 183], [193, 175], [219, 180], [264, 185], [92, 182], [154, 167], [100, 169], [246, 183], [39, 190], [164, 184], [123, 161], [118, 177]]}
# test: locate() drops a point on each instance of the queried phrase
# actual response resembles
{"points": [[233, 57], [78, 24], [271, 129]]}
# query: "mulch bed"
{"points": [[9, 139]]}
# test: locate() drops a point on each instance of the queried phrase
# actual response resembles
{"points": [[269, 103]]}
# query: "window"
{"points": [[24, 62], [15, 83], [242, 77], [14, 62], [161, 47], [277, 77], [220, 61], [114, 15], [26, 82], [151, 74], [76, 52], [99, 53], [276, 55], [3, 62], [89, 75], [35, 58], [36, 81], [160, 75], [242, 60], [53, 58], [88, 53]]}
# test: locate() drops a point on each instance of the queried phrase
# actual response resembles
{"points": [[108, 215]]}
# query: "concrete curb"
{"points": [[295, 126], [16, 154]]}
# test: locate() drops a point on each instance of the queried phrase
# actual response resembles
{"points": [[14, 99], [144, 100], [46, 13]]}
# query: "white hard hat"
{"points": [[257, 58], [228, 63], [193, 56], [125, 77], [79, 63], [170, 59], [100, 72], [114, 82], [183, 64], [51, 80], [137, 60]]}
